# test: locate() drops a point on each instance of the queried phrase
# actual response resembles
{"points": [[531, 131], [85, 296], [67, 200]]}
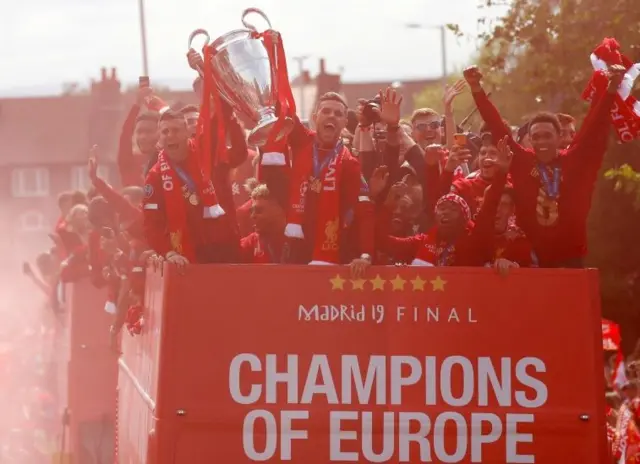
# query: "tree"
{"points": [[536, 57], [626, 180]]}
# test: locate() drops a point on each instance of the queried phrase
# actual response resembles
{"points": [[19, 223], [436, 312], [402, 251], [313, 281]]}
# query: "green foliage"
{"points": [[626, 180]]}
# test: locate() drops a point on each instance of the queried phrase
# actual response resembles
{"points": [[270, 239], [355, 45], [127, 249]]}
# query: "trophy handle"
{"points": [[196, 33], [257, 11]]}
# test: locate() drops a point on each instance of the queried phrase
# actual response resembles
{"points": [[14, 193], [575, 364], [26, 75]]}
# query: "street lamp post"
{"points": [[143, 38], [300, 60], [443, 42]]}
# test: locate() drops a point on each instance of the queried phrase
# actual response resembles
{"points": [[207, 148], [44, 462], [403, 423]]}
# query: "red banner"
{"points": [[238, 364]]}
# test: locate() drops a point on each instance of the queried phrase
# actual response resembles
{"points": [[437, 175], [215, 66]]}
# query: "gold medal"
{"points": [[193, 199], [546, 210], [315, 185]]}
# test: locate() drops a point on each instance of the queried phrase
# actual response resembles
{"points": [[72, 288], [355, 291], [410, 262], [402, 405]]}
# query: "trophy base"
{"points": [[260, 134]]}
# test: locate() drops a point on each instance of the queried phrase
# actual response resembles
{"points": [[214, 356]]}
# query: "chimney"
{"points": [[114, 76], [322, 68], [103, 74]]}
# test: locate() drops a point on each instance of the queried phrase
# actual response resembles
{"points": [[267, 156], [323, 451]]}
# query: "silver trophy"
{"points": [[243, 76]]}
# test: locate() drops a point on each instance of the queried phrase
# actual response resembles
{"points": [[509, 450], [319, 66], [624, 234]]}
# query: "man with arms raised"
{"points": [[328, 196], [183, 220], [553, 186]]}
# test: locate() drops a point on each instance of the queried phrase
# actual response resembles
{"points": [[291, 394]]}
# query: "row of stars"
{"points": [[397, 283]]}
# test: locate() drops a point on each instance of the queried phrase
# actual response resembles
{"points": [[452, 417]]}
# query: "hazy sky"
{"points": [[47, 42]]}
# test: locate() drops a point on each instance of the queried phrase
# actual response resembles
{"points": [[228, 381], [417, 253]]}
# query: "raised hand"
{"points": [[473, 76], [390, 103], [616, 76], [397, 191], [195, 60], [503, 266], [504, 154], [378, 182], [144, 94], [451, 92], [93, 163], [433, 154], [457, 157], [362, 120]]}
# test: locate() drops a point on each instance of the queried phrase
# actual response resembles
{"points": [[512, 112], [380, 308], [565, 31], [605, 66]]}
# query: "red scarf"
{"points": [[275, 152], [434, 252], [625, 113], [326, 249], [626, 444], [177, 195]]}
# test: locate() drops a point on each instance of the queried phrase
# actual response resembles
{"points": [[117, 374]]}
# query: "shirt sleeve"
{"points": [[127, 211], [154, 215]]}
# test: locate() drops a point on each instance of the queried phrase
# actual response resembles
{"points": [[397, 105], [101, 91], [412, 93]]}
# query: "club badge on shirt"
{"points": [[148, 191]]}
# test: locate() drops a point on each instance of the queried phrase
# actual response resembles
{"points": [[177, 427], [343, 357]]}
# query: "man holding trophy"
{"points": [[330, 219]]}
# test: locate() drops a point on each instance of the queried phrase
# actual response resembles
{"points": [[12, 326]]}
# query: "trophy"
{"points": [[249, 74]]}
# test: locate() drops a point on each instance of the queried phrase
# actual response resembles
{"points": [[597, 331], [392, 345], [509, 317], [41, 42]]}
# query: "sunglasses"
{"points": [[431, 125]]}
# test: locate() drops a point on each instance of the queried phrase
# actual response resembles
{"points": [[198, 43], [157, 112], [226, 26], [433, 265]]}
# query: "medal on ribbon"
{"points": [[547, 205], [315, 184], [193, 199], [315, 181]]}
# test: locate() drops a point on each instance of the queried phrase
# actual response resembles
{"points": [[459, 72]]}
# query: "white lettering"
{"points": [[376, 372], [398, 380], [337, 435], [388, 436], [319, 366], [405, 437], [461, 434], [248, 443], [234, 379], [288, 434], [513, 438], [478, 438], [289, 378], [500, 384], [531, 382], [446, 386]]}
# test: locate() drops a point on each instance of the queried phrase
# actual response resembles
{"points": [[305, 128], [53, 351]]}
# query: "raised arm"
{"points": [[486, 108], [450, 93], [127, 211]]}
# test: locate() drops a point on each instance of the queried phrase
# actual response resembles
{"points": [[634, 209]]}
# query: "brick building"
{"points": [[44, 151]]}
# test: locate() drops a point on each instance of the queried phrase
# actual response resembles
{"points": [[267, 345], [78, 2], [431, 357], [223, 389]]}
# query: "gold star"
{"points": [[378, 283], [438, 284], [337, 283], [358, 284], [418, 283], [398, 283]]}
